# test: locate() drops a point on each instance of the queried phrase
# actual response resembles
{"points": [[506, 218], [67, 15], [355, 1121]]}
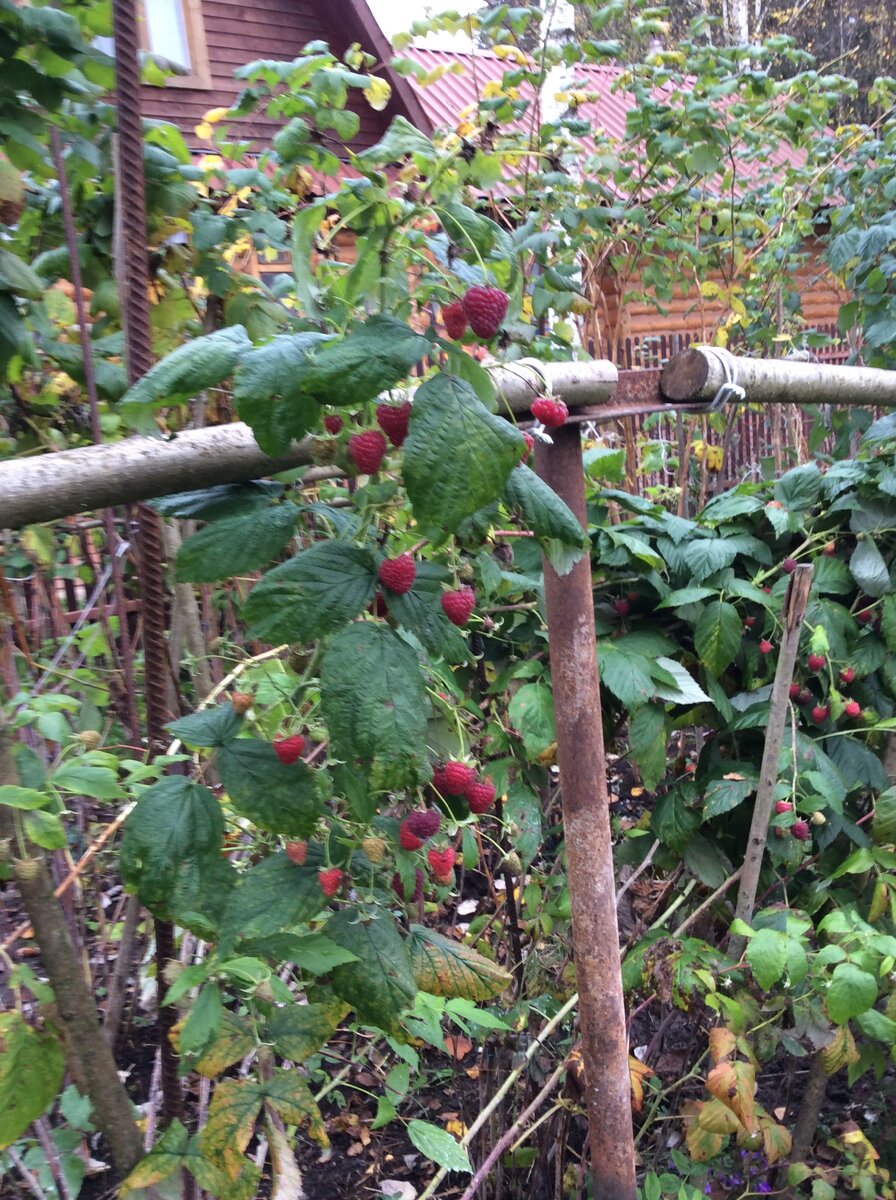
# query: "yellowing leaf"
{"points": [[233, 1042], [203, 131], [637, 1073], [378, 94], [214, 115], [443, 967], [722, 1043]]}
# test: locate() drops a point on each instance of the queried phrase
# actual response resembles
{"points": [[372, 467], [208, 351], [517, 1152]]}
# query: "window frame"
{"points": [[200, 75]]}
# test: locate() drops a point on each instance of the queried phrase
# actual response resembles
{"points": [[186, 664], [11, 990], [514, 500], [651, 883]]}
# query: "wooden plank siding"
{"points": [[237, 32]]}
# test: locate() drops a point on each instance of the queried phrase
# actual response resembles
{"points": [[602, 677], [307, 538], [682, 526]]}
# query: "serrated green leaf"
{"points": [[767, 955], [717, 636], [372, 356], [373, 697], [531, 713], [271, 393], [31, 1069], [624, 673], [647, 735], [686, 595], [201, 363], [444, 967], [869, 569], [730, 504], [45, 829], [683, 689], [100, 783], [16, 276], [799, 488], [673, 822], [381, 983], [439, 1146], [883, 823], [174, 832], [319, 590], [852, 991], [235, 545], [270, 896], [705, 556], [457, 457], [420, 612], [14, 796], [203, 1020], [279, 797], [400, 138], [554, 524], [222, 500], [214, 726], [299, 1030], [722, 795]]}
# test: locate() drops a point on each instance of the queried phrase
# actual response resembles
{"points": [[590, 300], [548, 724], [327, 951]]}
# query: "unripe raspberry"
{"points": [[374, 848], [241, 701], [89, 738], [512, 864], [818, 818], [829, 549]]}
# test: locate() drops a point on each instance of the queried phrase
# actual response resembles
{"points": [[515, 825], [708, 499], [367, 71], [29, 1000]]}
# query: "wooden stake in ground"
{"points": [[792, 621]]}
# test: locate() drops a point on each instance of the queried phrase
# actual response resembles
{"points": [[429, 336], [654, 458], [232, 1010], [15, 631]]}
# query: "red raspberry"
{"points": [[821, 712], [485, 309], [865, 617], [847, 675], [441, 861], [438, 778], [398, 888], [379, 607], [480, 795], [765, 646], [796, 690], [393, 419], [817, 662], [530, 446], [330, 880], [749, 622], [783, 806], [801, 831], [407, 839], [454, 319], [456, 778], [398, 574], [423, 823], [241, 701], [829, 549], [853, 709], [806, 696], [788, 566], [297, 852], [333, 423], [368, 450], [289, 749], [457, 606], [550, 411], [622, 607]]}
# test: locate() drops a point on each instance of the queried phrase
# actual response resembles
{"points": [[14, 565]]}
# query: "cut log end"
{"points": [[685, 376]]}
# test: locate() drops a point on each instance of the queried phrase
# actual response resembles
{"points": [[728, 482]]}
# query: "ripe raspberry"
{"points": [[530, 446], [865, 617], [817, 662], [289, 749], [847, 675], [749, 622], [423, 823], [765, 646], [829, 549], [485, 308], [330, 880], [374, 848], [333, 423], [368, 450], [378, 608], [407, 839], [456, 777], [622, 607], [801, 831], [441, 861], [796, 690], [806, 696], [783, 806], [853, 709], [550, 411], [457, 606], [398, 574], [454, 319], [821, 712], [297, 852], [788, 566], [393, 419], [398, 888], [241, 701], [480, 795]]}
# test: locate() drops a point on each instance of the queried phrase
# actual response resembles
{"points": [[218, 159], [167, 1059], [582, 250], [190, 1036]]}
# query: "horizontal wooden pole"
{"points": [[51, 486], [698, 373]]}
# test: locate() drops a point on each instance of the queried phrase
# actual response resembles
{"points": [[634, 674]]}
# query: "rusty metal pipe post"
{"points": [[589, 851]]}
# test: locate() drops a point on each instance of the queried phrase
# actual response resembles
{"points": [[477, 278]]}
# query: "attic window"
{"points": [[174, 30]]}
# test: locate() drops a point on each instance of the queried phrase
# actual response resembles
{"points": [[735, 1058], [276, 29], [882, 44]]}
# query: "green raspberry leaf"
{"points": [[31, 1070], [458, 456], [319, 590], [272, 895], [852, 991], [554, 524], [374, 703], [270, 390], [718, 635], [420, 612], [235, 545], [280, 797], [381, 983]]}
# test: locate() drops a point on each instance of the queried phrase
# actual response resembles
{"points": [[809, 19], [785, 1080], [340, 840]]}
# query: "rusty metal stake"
{"points": [[589, 850]]}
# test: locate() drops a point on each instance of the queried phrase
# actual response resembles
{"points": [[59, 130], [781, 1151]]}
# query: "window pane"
{"points": [[167, 31]]}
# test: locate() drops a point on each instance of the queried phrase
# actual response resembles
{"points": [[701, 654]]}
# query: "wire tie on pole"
{"points": [[730, 389], [540, 433]]}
